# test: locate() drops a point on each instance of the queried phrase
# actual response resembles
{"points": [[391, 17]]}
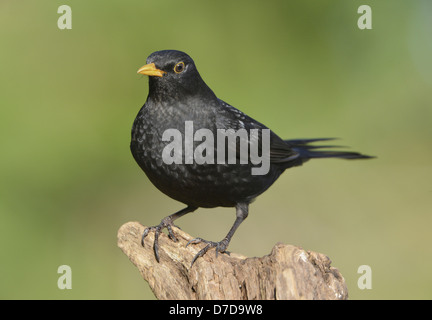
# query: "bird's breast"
{"points": [[164, 145]]}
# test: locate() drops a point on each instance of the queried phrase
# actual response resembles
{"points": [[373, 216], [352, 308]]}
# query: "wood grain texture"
{"points": [[288, 272]]}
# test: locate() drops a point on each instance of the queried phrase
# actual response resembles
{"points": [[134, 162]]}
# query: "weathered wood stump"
{"points": [[288, 272]]}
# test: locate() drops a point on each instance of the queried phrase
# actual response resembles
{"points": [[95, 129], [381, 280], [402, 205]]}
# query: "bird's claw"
{"points": [[165, 223], [219, 247]]}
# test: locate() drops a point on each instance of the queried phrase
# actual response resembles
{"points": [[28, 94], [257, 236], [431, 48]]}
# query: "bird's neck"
{"points": [[165, 93]]}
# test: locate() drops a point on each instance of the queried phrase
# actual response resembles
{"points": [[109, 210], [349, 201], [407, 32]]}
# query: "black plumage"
{"points": [[177, 94]]}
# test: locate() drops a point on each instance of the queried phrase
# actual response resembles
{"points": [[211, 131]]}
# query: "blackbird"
{"points": [[177, 96]]}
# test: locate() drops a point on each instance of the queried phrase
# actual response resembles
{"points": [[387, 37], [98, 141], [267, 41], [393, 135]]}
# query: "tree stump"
{"points": [[288, 272]]}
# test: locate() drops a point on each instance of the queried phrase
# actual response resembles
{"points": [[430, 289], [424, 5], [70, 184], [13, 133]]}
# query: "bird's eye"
{"points": [[179, 67]]}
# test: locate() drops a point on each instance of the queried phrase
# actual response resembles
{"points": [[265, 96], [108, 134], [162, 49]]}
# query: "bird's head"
{"points": [[173, 75]]}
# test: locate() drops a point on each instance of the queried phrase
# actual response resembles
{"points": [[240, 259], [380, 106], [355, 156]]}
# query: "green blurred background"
{"points": [[69, 97]]}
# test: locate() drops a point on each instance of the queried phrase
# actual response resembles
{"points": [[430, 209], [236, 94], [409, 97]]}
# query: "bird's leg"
{"points": [[221, 246], [166, 222]]}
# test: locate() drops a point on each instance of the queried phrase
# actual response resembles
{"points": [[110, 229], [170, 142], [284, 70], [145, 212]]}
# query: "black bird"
{"points": [[177, 94]]}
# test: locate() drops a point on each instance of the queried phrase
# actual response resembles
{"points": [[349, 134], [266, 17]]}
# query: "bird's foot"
{"points": [[219, 247], [165, 223]]}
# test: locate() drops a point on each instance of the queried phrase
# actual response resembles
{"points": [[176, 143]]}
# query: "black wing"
{"points": [[280, 151]]}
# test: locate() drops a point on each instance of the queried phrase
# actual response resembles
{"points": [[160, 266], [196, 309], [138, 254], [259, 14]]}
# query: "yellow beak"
{"points": [[151, 70]]}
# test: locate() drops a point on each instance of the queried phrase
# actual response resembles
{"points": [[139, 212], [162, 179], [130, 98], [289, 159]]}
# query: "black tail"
{"points": [[307, 151]]}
